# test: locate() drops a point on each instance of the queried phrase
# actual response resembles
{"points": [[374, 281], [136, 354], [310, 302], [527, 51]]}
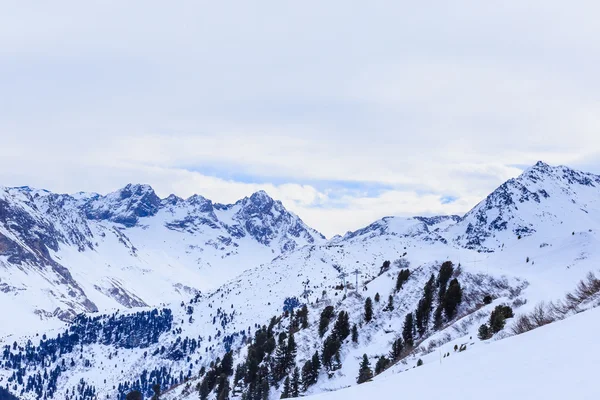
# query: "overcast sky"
{"points": [[346, 111]]}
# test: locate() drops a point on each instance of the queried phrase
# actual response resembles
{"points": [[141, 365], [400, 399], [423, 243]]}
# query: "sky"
{"points": [[345, 111]]}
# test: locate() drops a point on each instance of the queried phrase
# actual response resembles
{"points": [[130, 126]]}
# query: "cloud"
{"points": [[346, 112]]}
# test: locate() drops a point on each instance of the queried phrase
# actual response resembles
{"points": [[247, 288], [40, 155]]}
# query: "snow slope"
{"points": [[556, 361]]}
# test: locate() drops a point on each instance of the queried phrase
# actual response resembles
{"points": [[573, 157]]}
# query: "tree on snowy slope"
{"points": [[135, 395], [397, 348], [342, 326], [402, 277], [6, 395], [285, 357], [364, 373], [285, 393], [295, 384], [310, 371], [368, 309], [407, 330], [326, 316], [424, 307], [452, 298], [446, 271]]}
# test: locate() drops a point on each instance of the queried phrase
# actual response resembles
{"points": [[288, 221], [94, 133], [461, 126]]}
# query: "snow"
{"points": [[556, 361], [161, 265]]}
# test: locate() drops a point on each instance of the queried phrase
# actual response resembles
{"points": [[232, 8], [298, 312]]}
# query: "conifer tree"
{"points": [[368, 309], [307, 374], [446, 271], [407, 330], [402, 277], [295, 384], [484, 332], [452, 298], [326, 316], [397, 347], [377, 297], [390, 305], [354, 333], [381, 364], [364, 373], [285, 393], [424, 307]]}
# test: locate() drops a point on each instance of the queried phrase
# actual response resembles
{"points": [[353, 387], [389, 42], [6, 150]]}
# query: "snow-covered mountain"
{"points": [[65, 254], [182, 346]]}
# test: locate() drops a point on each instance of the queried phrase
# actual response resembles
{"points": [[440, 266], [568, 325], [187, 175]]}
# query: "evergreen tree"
{"points": [[397, 347], [135, 395], [295, 384], [316, 364], [452, 298], [227, 364], [156, 390], [381, 364], [223, 388], [438, 318], [402, 277], [390, 305], [407, 330], [446, 271], [368, 309], [484, 332], [326, 316], [307, 374], [342, 326], [285, 393], [424, 307], [377, 297], [365, 373], [354, 333]]}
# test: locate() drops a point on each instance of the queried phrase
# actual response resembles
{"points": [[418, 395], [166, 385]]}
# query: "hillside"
{"points": [[557, 361], [135, 348]]}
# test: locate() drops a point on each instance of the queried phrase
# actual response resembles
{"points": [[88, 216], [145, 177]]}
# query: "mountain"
{"points": [[65, 254], [183, 345], [542, 199]]}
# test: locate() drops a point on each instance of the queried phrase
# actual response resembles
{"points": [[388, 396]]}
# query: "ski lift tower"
{"points": [[306, 291], [343, 276], [356, 272]]}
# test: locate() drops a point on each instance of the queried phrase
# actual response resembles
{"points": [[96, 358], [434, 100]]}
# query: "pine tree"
{"points": [[295, 384], [402, 277], [407, 330], [285, 393], [354, 334], [377, 297], [135, 395], [397, 347], [484, 332], [390, 305], [424, 307], [446, 271], [326, 316], [223, 389], [227, 363], [365, 373], [368, 309], [307, 374], [342, 326], [381, 364], [156, 390], [452, 298]]}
